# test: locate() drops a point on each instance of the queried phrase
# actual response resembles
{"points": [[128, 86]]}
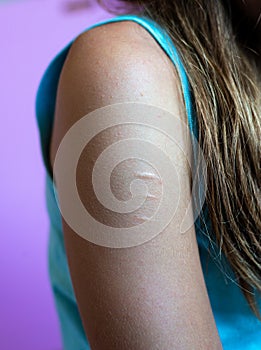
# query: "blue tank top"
{"points": [[238, 328]]}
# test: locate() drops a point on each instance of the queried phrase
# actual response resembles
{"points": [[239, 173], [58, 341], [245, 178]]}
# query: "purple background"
{"points": [[32, 32]]}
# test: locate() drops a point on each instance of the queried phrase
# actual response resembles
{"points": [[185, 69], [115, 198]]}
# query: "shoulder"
{"points": [[121, 61], [114, 63], [108, 65], [119, 43]]}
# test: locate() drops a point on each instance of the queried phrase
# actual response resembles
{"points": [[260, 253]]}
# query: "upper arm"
{"points": [[150, 295]]}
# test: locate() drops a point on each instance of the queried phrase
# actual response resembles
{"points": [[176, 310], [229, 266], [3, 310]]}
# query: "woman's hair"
{"points": [[225, 81]]}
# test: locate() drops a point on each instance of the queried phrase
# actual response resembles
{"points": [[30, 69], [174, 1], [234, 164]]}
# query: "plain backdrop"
{"points": [[32, 33]]}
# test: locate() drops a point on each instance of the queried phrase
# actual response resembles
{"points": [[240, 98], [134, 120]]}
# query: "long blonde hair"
{"points": [[225, 83]]}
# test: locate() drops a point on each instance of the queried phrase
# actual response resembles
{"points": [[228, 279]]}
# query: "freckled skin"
{"points": [[151, 296]]}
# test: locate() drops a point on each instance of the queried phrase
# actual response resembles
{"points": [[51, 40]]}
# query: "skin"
{"points": [[151, 296]]}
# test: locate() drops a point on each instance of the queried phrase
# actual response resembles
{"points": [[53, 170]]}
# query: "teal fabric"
{"points": [[237, 326]]}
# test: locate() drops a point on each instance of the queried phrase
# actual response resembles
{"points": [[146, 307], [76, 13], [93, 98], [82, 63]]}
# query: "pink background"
{"points": [[32, 32]]}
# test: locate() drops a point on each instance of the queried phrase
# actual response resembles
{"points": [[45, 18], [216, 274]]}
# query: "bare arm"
{"points": [[152, 295]]}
